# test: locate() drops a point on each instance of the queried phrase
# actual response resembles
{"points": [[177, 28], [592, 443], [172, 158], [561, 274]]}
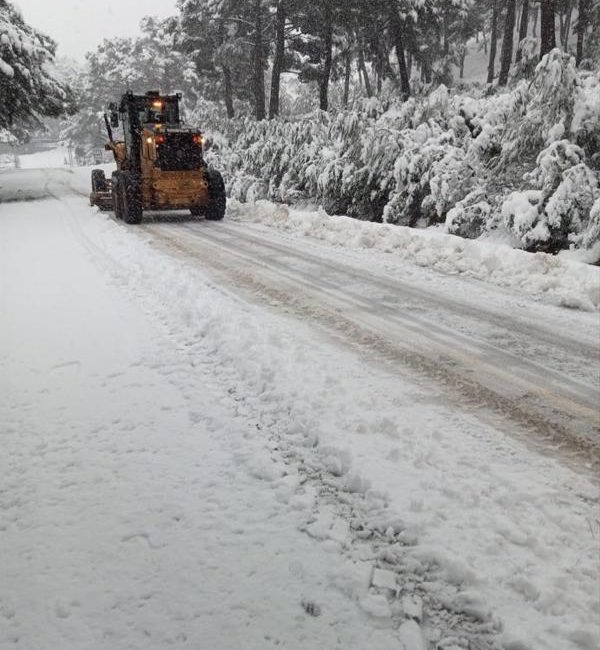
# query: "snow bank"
{"points": [[50, 158], [561, 279]]}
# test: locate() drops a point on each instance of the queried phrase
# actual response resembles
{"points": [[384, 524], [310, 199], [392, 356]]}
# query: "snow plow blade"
{"points": [[102, 199]]}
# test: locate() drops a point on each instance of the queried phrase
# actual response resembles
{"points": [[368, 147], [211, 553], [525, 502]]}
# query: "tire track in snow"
{"points": [[558, 413]]}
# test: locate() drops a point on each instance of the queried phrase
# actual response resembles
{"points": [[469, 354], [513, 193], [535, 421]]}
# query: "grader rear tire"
{"points": [[131, 195], [215, 210]]}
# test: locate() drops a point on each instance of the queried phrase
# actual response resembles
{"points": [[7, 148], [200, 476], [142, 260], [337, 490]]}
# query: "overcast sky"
{"points": [[79, 25]]}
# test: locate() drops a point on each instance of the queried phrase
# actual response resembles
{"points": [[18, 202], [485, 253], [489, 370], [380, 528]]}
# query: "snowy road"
{"points": [[537, 371], [223, 436]]}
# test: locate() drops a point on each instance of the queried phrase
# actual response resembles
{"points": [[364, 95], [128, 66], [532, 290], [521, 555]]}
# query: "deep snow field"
{"points": [[184, 467]]}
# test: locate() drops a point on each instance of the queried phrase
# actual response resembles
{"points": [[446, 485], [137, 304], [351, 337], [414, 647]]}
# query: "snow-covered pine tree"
{"points": [[28, 91], [153, 61]]}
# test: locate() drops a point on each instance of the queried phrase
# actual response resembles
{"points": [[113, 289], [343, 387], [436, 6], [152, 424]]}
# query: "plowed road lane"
{"points": [[524, 365]]}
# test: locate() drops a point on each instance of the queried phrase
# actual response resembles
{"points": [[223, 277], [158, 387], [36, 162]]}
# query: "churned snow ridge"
{"points": [[560, 279]]}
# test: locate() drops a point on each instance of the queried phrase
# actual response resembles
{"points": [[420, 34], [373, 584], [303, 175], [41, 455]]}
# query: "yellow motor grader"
{"points": [[160, 163]]}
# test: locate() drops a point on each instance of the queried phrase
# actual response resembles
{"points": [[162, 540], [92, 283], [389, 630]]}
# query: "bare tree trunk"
{"points": [[523, 25], [548, 27], [398, 40], [277, 59], [328, 45], [582, 21], [463, 56], [227, 85], [536, 14], [228, 92], [388, 70], [507, 42], [362, 69], [493, 42], [427, 71], [380, 57], [258, 76], [347, 72], [445, 42], [566, 26], [561, 25]]}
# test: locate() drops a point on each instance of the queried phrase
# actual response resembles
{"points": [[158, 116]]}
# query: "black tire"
{"points": [[131, 193], [215, 210], [99, 182], [197, 212], [116, 195]]}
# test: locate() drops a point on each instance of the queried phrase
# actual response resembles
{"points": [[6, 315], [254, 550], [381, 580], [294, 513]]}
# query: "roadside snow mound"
{"points": [[564, 279]]}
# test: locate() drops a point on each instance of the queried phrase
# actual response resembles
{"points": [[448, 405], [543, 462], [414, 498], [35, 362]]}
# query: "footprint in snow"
{"points": [[311, 608]]}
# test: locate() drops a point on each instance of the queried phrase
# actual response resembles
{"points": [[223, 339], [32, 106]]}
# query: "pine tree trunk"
{"points": [[445, 42], [566, 26], [380, 57], [328, 50], [493, 42], [398, 40], [427, 71], [347, 72], [548, 29], [258, 77], [277, 59], [536, 13], [227, 85], [523, 25], [507, 42], [228, 91], [463, 56], [389, 72], [362, 69], [582, 20]]}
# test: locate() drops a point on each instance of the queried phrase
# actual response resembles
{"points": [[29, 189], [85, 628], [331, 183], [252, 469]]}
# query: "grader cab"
{"points": [[160, 163]]}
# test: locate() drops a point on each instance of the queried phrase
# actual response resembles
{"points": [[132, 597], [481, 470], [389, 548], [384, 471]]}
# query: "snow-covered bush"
{"points": [[568, 209], [586, 119], [558, 214], [469, 217], [529, 48], [434, 158], [450, 180], [590, 237], [552, 162], [541, 106], [431, 174], [521, 215]]}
